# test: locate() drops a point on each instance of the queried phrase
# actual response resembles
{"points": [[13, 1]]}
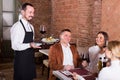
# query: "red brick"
{"points": [[82, 17]]}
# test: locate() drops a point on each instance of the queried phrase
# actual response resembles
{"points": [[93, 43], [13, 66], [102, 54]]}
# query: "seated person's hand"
{"points": [[84, 63], [68, 67], [77, 77]]}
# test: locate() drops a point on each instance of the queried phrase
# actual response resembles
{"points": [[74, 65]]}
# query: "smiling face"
{"points": [[28, 13], [65, 37], [100, 40]]}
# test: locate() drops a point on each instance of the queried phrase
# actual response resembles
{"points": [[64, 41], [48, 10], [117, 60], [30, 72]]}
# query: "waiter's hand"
{"points": [[33, 45]]}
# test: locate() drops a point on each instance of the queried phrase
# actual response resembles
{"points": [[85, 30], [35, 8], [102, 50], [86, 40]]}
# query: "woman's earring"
{"points": [[107, 43]]}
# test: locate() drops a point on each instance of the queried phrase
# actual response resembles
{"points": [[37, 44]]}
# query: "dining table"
{"points": [[67, 75], [44, 51]]}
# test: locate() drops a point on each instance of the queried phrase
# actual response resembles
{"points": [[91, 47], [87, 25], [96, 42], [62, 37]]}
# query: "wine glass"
{"points": [[43, 30]]}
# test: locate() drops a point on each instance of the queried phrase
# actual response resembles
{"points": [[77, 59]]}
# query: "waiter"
{"points": [[22, 35]]}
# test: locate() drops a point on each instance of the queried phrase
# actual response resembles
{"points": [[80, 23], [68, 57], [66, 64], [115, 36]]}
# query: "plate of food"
{"points": [[49, 40]]}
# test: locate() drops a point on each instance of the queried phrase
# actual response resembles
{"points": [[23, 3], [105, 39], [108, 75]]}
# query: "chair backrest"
{"points": [[46, 63], [38, 54]]}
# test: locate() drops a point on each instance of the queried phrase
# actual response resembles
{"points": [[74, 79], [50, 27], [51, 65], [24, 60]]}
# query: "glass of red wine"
{"points": [[43, 30]]}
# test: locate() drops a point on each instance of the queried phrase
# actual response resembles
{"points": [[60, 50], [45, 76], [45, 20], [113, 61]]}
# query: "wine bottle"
{"points": [[99, 64]]}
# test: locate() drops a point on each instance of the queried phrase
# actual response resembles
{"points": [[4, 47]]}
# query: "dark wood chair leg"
{"points": [[43, 68], [48, 72]]}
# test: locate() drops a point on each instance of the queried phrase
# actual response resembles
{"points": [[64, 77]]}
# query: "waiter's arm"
{"points": [[17, 37]]}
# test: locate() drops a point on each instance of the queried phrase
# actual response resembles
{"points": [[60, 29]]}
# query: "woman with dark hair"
{"points": [[97, 52]]}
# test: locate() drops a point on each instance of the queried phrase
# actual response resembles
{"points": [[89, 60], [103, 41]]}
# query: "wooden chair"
{"points": [[45, 64], [38, 58]]}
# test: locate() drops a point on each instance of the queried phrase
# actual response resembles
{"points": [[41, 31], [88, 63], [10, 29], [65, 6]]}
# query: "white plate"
{"points": [[38, 44], [46, 40]]}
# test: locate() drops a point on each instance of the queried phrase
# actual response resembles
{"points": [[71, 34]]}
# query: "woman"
{"points": [[97, 51], [62, 55], [113, 71]]}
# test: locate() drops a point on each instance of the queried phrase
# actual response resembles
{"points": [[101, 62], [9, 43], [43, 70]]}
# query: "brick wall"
{"points": [[42, 15], [82, 17], [111, 18]]}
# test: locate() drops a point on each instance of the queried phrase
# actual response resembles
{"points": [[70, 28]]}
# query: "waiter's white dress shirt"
{"points": [[18, 33], [110, 73], [67, 55]]}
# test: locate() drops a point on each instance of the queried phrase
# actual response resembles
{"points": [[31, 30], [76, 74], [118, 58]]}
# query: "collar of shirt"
{"points": [[65, 46], [26, 25]]}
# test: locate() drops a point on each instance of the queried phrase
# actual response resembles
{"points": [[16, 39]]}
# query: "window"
{"points": [[8, 10]]}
